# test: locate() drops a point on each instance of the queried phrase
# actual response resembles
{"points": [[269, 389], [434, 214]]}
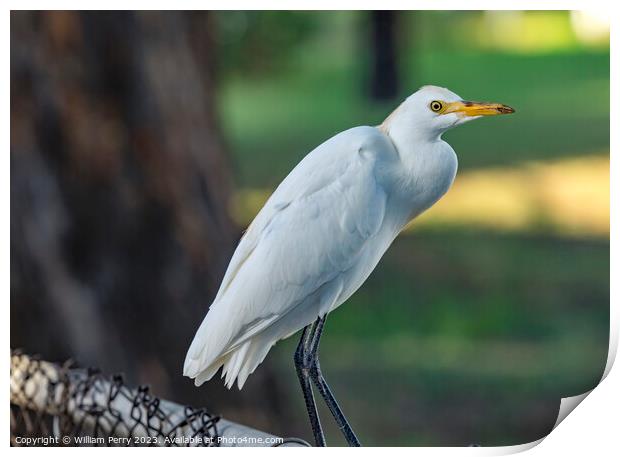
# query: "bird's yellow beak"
{"points": [[467, 108]]}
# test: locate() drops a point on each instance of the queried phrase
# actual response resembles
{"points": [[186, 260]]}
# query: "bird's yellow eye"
{"points": [[436, 106]]}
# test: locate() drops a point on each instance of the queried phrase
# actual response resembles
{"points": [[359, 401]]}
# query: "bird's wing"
{"points": [[310, 231]]}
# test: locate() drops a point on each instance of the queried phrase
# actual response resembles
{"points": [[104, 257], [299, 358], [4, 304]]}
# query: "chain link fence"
{"points": [[64, 406]]}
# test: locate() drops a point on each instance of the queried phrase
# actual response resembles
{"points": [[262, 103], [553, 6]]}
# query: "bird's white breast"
{"points": [[418, 180], [412, 184]]}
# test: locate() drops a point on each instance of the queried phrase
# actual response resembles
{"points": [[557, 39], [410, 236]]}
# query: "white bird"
{"points": [[320, 235]]}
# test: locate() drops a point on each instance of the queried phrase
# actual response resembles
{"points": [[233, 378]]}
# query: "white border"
{"points": [[591, 429], [314, 5]]}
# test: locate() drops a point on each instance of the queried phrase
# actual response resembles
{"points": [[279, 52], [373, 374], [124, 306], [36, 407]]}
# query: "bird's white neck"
{"points": [[426, 168], [414, 145], [404, 130]]}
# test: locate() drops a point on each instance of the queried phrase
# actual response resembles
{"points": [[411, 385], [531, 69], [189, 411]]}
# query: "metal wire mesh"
{"points": [[60, 405]]}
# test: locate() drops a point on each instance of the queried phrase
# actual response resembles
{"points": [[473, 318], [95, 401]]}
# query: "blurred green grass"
{"points": [[463, 337]]}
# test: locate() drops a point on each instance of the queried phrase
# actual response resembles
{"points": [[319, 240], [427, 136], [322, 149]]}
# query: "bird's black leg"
{"points": [[303, 365], [321, 384]]}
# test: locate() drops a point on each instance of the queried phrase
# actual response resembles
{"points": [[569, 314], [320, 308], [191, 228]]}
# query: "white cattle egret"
{"points": [[321, 234]]}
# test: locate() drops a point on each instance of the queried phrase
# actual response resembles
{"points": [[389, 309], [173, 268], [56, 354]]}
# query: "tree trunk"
{"points": [[383, 58], [119, 192]]}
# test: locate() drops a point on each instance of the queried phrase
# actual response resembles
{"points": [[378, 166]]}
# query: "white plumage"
{"points": [[324, 229]]}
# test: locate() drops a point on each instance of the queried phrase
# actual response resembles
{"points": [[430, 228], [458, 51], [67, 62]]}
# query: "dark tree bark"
{"points": [[119, 192], [383, 58]]}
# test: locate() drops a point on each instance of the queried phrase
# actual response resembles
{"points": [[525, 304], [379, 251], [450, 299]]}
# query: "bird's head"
{"points": [[432, 110]]}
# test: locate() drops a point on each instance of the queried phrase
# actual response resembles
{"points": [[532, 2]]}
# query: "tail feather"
{"points": [[233, 365], [208, 346], [216, 343], [206, 374], [237, 364], [247, 362], [254, 358]]}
